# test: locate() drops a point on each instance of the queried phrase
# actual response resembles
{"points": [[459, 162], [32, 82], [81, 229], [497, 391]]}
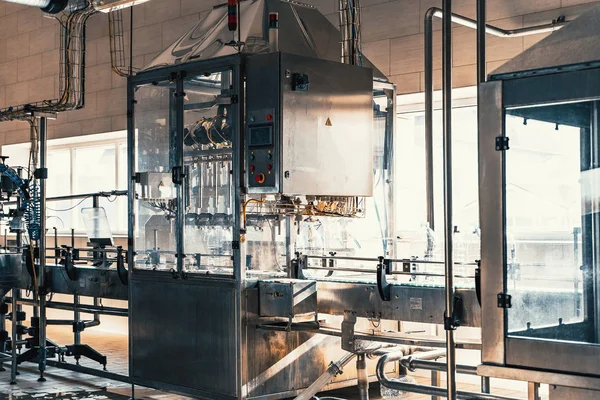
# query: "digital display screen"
{"points": [[261, 136]]}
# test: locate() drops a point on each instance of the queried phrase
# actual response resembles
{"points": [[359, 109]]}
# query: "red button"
{"points": [[252, 168], [269, 167], [260, 178], [269, 117]]}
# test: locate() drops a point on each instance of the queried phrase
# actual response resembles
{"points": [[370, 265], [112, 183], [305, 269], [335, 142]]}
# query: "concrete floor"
{"points": [[63, 384]]}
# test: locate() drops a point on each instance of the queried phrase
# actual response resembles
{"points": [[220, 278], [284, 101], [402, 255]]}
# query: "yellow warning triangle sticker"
{"points": [[328, 122]]}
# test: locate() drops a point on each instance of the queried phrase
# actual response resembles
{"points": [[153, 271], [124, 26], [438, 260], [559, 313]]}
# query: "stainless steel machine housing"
{"points": [[562, 92]]}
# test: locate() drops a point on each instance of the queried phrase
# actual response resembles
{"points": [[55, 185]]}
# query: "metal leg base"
{"points": [[83, 350]]}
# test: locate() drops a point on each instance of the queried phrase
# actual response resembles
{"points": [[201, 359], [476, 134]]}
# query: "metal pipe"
{"points": [[83, 308], [494, 30], [481, 49], [96, 321], [331, 372], [13, 365], [448, 222], [429, 89], [362, 377], [429, 181], [364, 270], [43, 130], [395, 260], [396, 338], [485, 384], [343, 22], [111, 193], [416, 364], [396, 384], [435, 381], [433, 354], [59, 322]]}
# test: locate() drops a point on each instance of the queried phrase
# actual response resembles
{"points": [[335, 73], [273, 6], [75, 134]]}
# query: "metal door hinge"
{"points": [[504, 300], [226, 100], [177, 175], [502, 143]]}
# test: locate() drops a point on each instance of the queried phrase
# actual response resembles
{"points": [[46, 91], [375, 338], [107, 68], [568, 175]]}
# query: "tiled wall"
{"points": [[392, 38]]}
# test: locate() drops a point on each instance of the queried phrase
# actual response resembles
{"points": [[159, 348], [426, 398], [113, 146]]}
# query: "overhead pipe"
{"points": [[429, 89], [71, 65], [49, 6], [397, 384]]}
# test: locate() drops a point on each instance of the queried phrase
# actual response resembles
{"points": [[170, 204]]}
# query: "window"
{"points": [[410, 183], [82, 165]]}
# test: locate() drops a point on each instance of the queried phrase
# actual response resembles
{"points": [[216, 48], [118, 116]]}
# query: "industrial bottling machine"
{"points": [[248, 156]]}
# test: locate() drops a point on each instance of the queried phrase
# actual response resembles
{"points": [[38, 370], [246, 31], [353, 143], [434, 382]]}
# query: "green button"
{"points": [[269, 156], [252, 156]]}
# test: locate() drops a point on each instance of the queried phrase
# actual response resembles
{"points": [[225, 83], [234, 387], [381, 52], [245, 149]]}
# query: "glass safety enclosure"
{"points": [[184, 203], [540, 192], [184, 207]]}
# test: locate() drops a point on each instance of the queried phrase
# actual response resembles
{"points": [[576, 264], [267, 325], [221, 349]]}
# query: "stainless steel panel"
{"points": [[303, 30], [562, 393], [279, 364], [552, 89], [542, 354], [287, 298], [326, 131], [90, 281], [408, 303], [550, 378], [263, 99], [11, 268], [491, 206], [183, 335]]}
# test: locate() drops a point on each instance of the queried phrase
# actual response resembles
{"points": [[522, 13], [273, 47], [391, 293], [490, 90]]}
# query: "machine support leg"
{"points": [[435, 381], [533, 391], [13, 366], [3, 328], [485, 384], [43, 125], [76, 319]]}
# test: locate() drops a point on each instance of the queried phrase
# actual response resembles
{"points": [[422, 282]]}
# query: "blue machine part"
{"points": [[30, 200]]}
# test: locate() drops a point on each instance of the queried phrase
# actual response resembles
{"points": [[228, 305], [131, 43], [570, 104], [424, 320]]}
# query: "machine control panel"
{"points": [[261, 155]]}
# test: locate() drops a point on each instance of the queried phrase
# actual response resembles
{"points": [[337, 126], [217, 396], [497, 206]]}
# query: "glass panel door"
{"points": [[155, 194], [552, 222], [208, 134]]}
